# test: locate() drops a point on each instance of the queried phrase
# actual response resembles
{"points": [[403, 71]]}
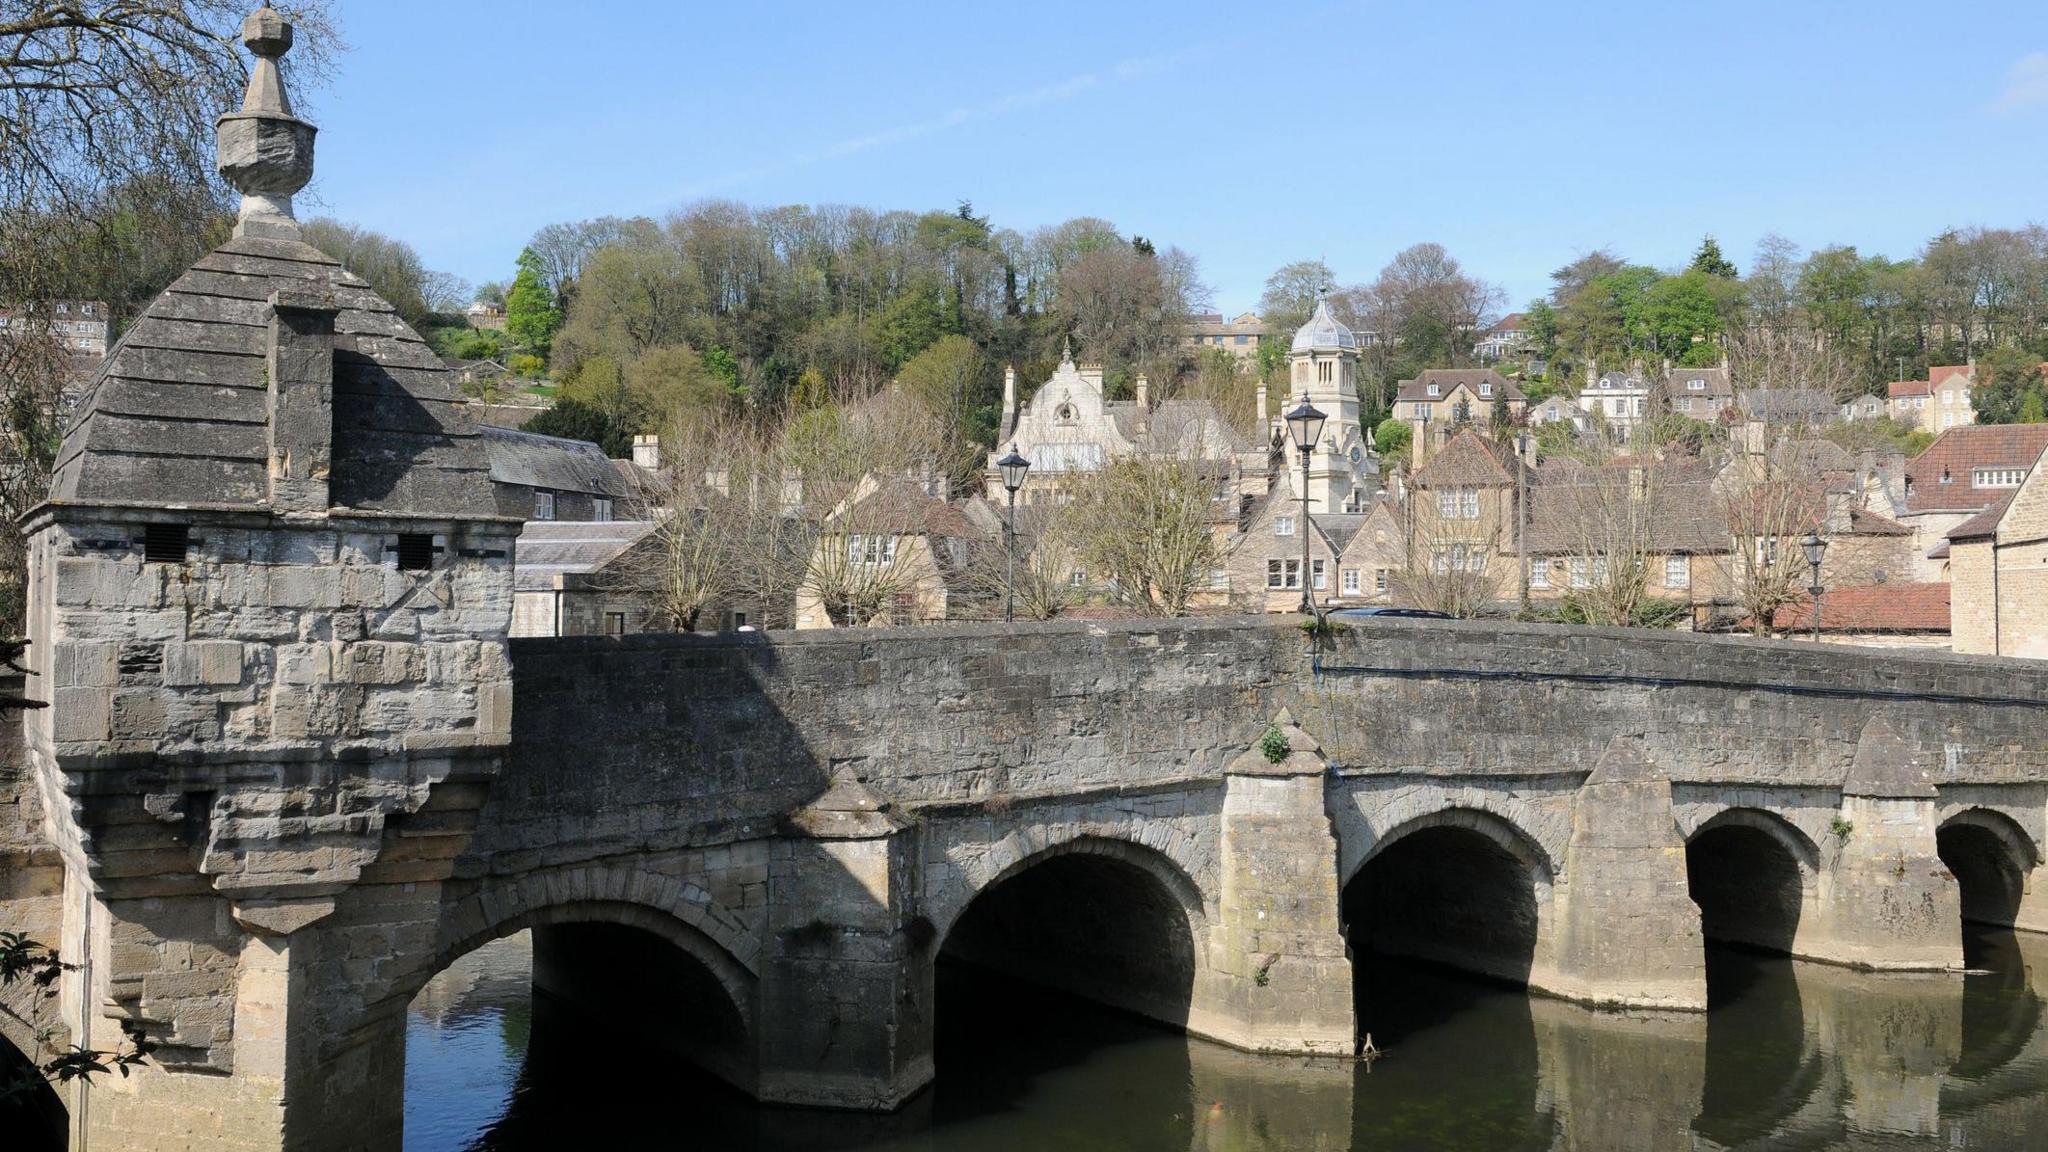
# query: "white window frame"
{"points": [[1379, 581], [1678, 571], [1470, 500], [1318, 575], [543, 504], [1283, 525], [1348, 581], [601, 509], [1579, 573], [1539, 573]]}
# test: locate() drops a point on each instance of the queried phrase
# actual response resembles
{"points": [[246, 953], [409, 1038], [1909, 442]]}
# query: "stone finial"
{"points": [[1886, 767], [266, 153]]}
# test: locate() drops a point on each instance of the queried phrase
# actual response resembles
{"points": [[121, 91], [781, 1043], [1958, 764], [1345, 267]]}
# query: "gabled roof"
{"points": [[1786, 403], [1468, 461], [901, 508], [1714, 381], [1957, 454], [1984, 523], [1447, 379], [1905, 389], [1864, 522], [1941, 374], [1572, 511], [1893, 606], [552, 462]]}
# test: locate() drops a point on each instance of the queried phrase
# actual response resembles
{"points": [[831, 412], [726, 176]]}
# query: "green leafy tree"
{"points": [[2007, 379], [1709, 261], [1392, 437], [530, 312], [1684, 318]]}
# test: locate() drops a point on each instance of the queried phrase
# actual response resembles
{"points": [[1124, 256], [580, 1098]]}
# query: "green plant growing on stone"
{"points": [[23, 959], [1263, 974], [1841, 828], [1273, 745]]}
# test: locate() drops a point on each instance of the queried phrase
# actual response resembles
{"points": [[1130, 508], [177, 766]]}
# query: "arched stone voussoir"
{"points": [[2023, 851], [1535, 833], [1162, 851], [1805, 852], [682, 914]]}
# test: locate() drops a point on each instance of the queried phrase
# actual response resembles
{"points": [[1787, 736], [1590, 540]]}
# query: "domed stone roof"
{"points": [[267, 375], [1323, 332]]}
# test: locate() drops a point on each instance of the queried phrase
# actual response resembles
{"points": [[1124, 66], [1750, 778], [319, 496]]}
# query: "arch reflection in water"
{"points": [[1792, 1055]]}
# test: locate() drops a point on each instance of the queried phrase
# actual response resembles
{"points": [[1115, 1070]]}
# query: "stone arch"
{"points": [[1493, 820], [1803, 850], [1753, 875], [1458, 886], [1990, 856], [1106, 919], [1165, 852]]}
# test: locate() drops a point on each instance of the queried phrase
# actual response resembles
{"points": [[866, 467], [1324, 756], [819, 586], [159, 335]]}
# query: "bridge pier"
{"points": [[1279, 977], [846, 981], [1627, 932], [1886, 899]]}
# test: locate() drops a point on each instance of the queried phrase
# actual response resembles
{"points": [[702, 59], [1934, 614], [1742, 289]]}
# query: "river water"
{"points": [[1792, 1056]]}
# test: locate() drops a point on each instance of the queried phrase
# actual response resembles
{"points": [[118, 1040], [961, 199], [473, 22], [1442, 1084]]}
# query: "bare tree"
{"points": [[1770, 499], [1042, 575], [1145, 524], [700, 503], [1455, 538]]}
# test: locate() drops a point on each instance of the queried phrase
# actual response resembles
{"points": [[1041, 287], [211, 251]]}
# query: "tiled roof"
{"points": [[1983, 523], [1864, 522], [1684, 517], [1957, 453], [1448, 378], [1907, 388], [1942, 374], [903, 508], [1678, 382], [1889, 607]]}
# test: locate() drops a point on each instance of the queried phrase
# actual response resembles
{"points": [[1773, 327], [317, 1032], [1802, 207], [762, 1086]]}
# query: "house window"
{"points": [[1219, 579], [1539, 574], [1379, 582], [1350, 581], [602, 509], [1696, 385], [1283, 574], [543, 504], [2000, 477], [415, 552], [1283, 525], [615, 623], [1470, 503], [870, 550], [1486, 387], [1579, 577], [1422, 411], [1077, 579], [1236, 339], [166, 543], [1678, 571], [1316, 576], [1435, 390]]}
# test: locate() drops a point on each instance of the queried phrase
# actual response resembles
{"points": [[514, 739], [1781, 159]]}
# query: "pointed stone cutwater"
{"points": [[1627, 932], [265, 152], [1890, 902]]}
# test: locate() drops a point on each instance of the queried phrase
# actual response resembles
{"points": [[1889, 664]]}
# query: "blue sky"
{"points": [[1518, 135]]}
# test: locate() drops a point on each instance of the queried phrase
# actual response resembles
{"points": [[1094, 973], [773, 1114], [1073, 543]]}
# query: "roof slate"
{"points": [[1959, 452], [178, 412]]}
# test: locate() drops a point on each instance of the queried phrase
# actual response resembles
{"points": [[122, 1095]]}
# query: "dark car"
{"points": [[1385, 613]]}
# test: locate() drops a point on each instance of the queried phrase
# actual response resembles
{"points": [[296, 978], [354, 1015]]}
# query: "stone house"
{"points": [[1560, 410], [1617, 401], [1353, 557], [1240, 335], [1906, 401], [552, 478], [1961, 474], [1950, 404], [1999, 568], [1864, 408], [1508, 336], [898, 540], [1069, 427], [570, 579], [1695, 393], [1582, 516], [1440, 402], [1460, 515]]}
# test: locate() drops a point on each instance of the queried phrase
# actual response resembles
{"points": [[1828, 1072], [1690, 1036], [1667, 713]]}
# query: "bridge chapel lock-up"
{"points": [[281, 782]]}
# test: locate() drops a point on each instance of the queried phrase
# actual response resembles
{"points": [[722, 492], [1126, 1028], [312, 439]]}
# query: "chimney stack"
{"points": [[1262, 408], [1144, 392], [647, 452]]}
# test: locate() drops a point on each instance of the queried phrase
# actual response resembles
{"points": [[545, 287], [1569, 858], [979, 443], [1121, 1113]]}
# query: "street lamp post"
{"points": [[1815, 548], [1522, 514], [1305, 424], [1013, 467]]}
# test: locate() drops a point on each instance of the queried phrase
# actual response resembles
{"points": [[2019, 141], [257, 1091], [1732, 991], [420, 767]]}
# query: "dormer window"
{"points": [[1486, 388], [1435, 390], [1696, 385]]}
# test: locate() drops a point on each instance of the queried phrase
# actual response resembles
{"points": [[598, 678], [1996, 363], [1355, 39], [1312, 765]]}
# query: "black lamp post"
{"points": [[1013, 467], [1815, 548], [1305, 424]]}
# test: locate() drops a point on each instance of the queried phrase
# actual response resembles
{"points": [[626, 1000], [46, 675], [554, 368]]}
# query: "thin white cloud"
{"points": [[2026, 86], [1124, 71]]}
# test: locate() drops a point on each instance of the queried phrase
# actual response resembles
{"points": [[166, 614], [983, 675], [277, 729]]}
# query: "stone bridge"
{"points": [[763, 842]]}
